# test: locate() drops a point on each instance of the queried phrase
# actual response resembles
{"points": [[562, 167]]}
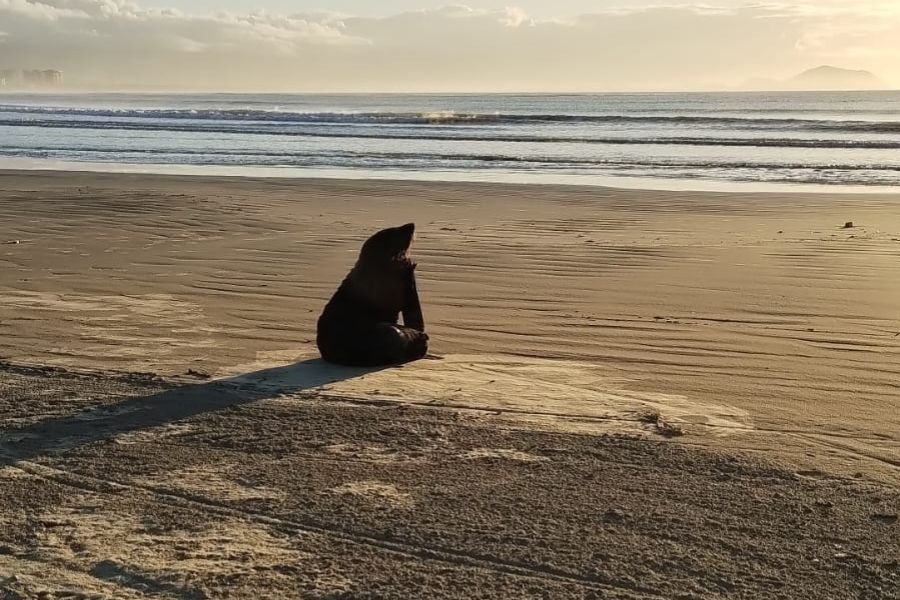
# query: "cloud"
{"points": [[515, 17], [113, 43], [36, 10], [116, 20], [110, 42]]}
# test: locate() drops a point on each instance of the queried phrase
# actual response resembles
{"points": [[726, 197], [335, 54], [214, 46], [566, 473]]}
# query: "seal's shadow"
{"points": [[297, 377], [135, 413]]}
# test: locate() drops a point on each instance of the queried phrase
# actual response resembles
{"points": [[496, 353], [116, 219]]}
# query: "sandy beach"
{"points": [[635, 394]]}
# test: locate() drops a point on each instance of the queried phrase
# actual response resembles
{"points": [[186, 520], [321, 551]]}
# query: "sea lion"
{"points": [[358, 326]]}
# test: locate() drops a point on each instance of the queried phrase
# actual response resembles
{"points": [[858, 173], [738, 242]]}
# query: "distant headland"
{"points": [[822, 78], [30, 79]]}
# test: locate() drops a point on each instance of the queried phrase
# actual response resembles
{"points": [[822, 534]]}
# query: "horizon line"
{"points": [[162, 90]]}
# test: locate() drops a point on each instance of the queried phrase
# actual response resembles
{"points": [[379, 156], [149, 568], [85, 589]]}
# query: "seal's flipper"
{"points": [[412, 309], [415, 343], [378, 345]]}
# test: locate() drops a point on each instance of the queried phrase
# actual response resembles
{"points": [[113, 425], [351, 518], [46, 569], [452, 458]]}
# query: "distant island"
{"points": [[822, 78], [834, 78]]}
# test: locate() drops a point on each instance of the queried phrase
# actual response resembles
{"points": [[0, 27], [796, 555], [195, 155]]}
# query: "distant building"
{"points": [[53, 78], [15, 79], [10, 78]]}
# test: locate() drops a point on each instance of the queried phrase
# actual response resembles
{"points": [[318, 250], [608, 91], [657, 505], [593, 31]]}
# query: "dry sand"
{"points": [[745, 345]]}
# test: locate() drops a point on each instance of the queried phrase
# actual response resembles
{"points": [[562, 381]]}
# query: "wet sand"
{"points": [[642, 394]]}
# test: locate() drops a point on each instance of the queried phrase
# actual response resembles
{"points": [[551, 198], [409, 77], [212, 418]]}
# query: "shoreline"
{"points": [[711, 186]]}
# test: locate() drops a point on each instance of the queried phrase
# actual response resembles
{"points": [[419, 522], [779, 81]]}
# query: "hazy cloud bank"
{"points": [[116, 44]]}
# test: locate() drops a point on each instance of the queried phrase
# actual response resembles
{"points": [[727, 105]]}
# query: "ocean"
{"points": [[822, 140]]}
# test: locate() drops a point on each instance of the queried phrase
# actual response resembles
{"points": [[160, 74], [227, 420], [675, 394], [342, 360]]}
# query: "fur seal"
{"points": [[359, 325]]}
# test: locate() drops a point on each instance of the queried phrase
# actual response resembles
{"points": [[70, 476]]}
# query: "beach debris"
{"points": [[662, 427], [613, 516], [11, 242], [886, 518], [666, 429], [198, 374], [849, 225], [650, 417]]}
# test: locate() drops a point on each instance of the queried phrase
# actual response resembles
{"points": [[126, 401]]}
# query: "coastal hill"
{"points": [[825, 77], [834, 78]]}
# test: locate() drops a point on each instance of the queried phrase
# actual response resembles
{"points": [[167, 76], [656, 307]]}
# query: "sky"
{"points": [[436, 46]]}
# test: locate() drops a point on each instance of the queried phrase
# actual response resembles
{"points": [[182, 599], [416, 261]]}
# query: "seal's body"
{"points": [[359, 326]]}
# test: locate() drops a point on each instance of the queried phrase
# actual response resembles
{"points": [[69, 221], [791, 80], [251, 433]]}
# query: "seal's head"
{"points": [[388, 245]]}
